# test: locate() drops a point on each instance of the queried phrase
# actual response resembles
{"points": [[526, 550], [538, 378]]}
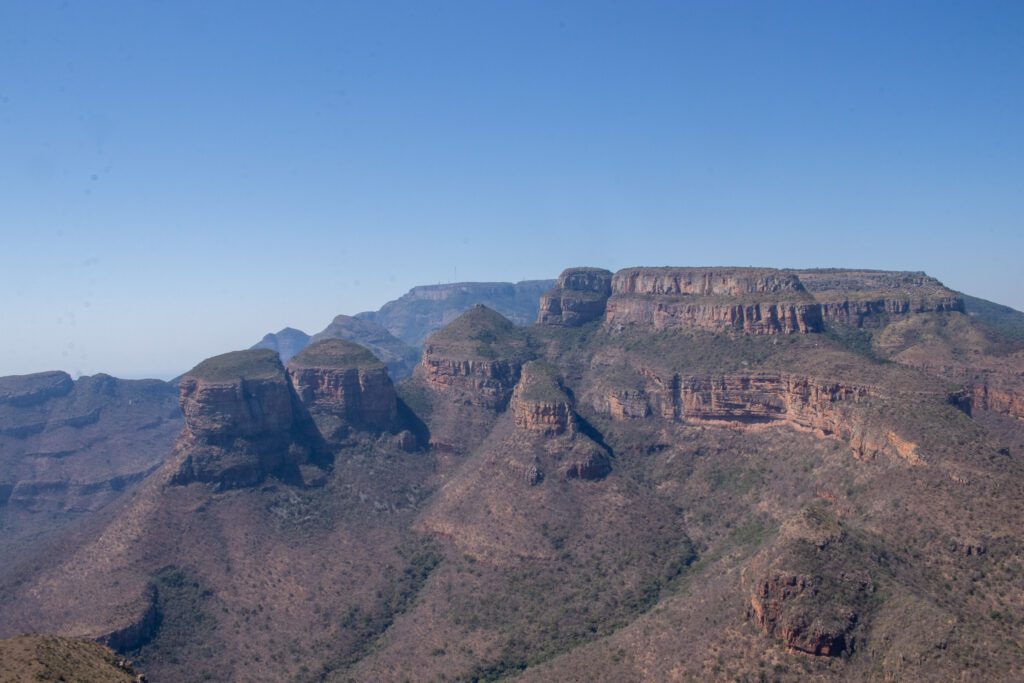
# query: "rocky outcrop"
{"points": [[475, 360], [812, 590], [286, 342], [999, 399], [871, 298], [773, 610], [548, 430], [242, 422], [750, 300], [344, 387], [827, 409], [579, 296], [539, 403]]}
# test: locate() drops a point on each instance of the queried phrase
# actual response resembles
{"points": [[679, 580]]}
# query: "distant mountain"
{"points": [[397, 331], [287, 342], [69, 448], [389, 349], [413, 316], [1007, 321]]}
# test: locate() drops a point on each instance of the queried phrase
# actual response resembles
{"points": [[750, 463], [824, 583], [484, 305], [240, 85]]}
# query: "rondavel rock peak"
{"points": [[658, 474]]}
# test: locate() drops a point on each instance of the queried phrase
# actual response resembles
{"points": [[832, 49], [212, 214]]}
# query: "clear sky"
{"points": [[179, 178]]}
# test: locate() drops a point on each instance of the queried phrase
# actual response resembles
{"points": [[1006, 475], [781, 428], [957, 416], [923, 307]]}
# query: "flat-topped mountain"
{"points": [[674, 474], [69, 448], [413, 316]]}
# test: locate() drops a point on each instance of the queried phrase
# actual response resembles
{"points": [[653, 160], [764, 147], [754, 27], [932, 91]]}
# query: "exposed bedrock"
{"points": [[548, 437], [578, 297], [344, 387], [869, 298], [475, 360], [750, 300], [987, 396], [827, 409], [242, 421]]}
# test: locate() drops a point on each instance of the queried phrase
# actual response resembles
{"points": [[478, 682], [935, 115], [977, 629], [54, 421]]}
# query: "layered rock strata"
{"points": [[344, 387], [579, 296], [824, 408], [475, 360], [548, 427], [870, 298], [750, 300], [242, 421], [74, 446]]}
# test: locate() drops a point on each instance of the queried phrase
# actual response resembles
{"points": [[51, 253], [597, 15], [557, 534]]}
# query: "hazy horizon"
{"points": [[180, 180]]}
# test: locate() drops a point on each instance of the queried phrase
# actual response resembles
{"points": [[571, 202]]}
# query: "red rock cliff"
{"points": [[751, 300]]}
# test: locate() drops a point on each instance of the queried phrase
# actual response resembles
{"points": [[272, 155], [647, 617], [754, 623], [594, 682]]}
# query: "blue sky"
{"points": [[178, 178]]}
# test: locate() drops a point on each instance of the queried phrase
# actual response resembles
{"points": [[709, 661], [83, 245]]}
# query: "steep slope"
{"points": [[70, 448], [46, 658]]}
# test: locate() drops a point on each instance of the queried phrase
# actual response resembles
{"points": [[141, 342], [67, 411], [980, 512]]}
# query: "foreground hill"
{"points": [[26, 659], [675, 474]]}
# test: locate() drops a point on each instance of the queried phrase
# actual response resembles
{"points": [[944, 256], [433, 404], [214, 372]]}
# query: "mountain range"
{"points": [[650, 475]]}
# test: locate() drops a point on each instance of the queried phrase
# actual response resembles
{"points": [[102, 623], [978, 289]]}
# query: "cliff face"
{"points": [[475, 360], [241, 421], [866, 298], [751, 300], [344, 387], [827, 409], [579, 296]]}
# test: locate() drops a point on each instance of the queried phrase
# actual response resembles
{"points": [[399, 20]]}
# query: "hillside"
{"points": [[27, 659], [675, 474]]}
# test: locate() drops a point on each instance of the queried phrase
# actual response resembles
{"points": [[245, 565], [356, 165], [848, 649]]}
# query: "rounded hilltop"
{"points": [[480, 334], [336, 353], [235, 365]]}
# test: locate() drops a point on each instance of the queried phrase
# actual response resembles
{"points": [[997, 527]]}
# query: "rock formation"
{"points": [[579, 296], [827, 409], [242, 421], [751, 300], [344, 387], [475, 360], [871, 298]]}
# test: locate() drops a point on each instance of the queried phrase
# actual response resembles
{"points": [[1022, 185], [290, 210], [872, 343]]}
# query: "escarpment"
{"points": [[242, 422], [579, 296], [750, 300], [344, 387], [870, 298], [825, 408]]}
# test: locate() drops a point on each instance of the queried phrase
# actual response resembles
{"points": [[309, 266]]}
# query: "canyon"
{"points": [[653, 474]]}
